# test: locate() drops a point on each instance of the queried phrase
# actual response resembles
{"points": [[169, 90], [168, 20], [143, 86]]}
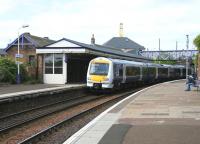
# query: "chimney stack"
{"points": [[93, 40], [121, 30]]}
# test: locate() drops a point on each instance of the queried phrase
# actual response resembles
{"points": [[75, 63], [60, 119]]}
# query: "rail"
{"points": [[48, 130]]}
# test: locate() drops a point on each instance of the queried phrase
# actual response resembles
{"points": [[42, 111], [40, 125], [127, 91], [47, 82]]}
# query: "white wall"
{"points": [[56, 78]]}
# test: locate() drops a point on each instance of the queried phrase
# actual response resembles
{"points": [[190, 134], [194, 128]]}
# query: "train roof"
{"points": [[120, 61], [139, 63]]}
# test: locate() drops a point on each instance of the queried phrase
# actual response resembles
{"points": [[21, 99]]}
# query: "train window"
{"points": [[152, 70], [177, 72], [184, 72], [145, 70], [162, 71], [171, 71], [132, 71], [99, 69]]}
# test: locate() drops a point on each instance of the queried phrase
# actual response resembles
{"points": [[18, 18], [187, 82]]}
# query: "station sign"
{"points": [[19, 55], [18, 58], [18, 62]]}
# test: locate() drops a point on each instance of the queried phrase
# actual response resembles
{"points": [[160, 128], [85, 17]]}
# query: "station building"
{"points": [[27, 49], [27, 46], [66, 61]]}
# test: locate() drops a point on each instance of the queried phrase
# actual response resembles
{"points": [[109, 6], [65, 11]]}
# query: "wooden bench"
{"points": [[197, 84]]}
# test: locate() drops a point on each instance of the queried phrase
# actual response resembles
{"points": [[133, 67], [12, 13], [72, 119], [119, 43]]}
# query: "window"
{"points": [[152, 71], [48, 59], [31, 59], [132, 71], [99, 69], [145, 71], [58, 63], [184, 71], [53, 63], [163, 71], [177, 71]]}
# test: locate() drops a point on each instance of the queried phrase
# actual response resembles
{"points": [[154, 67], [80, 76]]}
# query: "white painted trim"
{"points": [[63, 43], [68, 50], [83, 130]]}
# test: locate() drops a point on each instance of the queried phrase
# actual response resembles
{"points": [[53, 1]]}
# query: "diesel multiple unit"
{"points": [[107, 73]]}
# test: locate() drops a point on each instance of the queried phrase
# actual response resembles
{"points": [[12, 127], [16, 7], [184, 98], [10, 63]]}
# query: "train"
{"points": [[109, 73]]}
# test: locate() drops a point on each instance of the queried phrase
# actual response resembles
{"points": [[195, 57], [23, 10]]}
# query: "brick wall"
{"points": [[27, 50], [40, 62]]}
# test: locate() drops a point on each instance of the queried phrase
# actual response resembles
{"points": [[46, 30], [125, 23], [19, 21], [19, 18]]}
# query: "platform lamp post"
{"points": [[187, 46], [18, 56]]}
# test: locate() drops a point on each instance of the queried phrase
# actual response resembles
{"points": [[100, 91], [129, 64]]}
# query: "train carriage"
{"points": [[107, 73]]}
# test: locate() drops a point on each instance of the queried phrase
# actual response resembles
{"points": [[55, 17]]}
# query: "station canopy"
{"points": [[65, 45]]}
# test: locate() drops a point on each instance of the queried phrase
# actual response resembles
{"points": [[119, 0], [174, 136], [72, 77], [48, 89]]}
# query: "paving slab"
{"points": [[161, 114], [5, 89], [10, 91]]}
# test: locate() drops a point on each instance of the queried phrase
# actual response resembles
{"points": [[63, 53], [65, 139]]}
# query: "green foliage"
{"points": [[170, 62], [195, 59], [8, 71], [23, 73], [197, 42]]}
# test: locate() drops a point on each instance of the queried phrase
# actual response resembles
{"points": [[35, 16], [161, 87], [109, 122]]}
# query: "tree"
{"points": [[197, 42], [8, 71]]}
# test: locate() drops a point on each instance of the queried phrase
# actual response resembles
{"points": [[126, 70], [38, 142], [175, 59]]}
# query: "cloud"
{"points": [[6, 5], [144, 21]]}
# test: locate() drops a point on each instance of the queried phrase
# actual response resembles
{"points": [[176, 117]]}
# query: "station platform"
{"points": [[10, 91], [160, 114]]}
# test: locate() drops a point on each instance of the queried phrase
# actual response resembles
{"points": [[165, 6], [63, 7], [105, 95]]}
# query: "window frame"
{"points": [[53, 67]]}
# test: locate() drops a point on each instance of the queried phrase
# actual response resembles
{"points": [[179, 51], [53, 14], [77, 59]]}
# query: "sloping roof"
{"points": [[2, 52], [98, 48], [39, 41], [123, 42], [34, 40]]}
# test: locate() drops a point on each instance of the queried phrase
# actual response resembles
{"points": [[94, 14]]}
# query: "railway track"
{"points": [[17, 119], [11, 125], [55, 128]]}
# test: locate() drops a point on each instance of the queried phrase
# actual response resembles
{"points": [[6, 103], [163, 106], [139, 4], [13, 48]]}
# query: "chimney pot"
{"points": [[93, 40]]}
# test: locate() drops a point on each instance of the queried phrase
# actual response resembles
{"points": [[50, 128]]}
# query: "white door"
{"points": [[54, 69]]}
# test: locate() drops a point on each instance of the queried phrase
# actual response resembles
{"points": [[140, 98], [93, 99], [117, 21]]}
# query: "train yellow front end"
{"points": [[99, 74]]}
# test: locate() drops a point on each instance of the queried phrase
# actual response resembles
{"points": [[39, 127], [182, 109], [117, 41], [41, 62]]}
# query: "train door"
{"points": [[118, 73], [141, 73], [168, 72], [124, 73]]}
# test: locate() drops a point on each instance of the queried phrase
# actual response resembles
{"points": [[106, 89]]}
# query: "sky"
{"points": [[144, 21]]}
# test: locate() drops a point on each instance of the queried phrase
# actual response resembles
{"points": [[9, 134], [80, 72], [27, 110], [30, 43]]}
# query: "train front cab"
{"points": [[99, 74]]}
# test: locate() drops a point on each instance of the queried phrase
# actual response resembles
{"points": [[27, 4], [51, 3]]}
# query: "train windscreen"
{"points": [[99, 69]]}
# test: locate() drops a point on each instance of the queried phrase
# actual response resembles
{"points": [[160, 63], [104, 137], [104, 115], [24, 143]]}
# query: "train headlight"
{"points": [[106, 79]]}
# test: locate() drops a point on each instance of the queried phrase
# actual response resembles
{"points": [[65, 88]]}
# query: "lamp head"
{"points": [[24, 26]]}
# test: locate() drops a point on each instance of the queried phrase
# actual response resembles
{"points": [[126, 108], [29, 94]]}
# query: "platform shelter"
{"points": [[66, 61]]}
